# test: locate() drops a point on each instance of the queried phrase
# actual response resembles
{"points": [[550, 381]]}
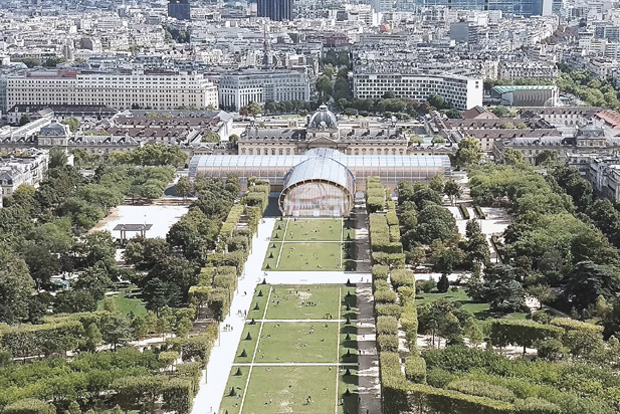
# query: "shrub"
{"points": [[521, 332], [388, 343], [381, 285], [387, 325], [380, 272], [29, 406], [385, 296], [401, 277], [388, 310], [438, 378], [415, 369], [482, 389]]}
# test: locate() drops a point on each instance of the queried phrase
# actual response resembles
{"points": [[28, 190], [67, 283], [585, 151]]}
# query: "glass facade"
{"points": [[389, 168], [316, 199]]}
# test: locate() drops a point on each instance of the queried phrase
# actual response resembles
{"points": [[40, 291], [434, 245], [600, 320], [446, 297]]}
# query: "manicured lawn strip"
{"points": [[348, 404], [231, 403], [304, 302], [349, 300], [247, 345], [302, 229], [286, 390], [314, 256], [257, 308], [297, 342]]}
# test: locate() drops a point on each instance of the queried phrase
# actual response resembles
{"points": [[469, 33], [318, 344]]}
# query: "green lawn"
{"points": [[126, 305], [305, 302], [311, 245], [278, 388], [311, 229], [481, 311]]}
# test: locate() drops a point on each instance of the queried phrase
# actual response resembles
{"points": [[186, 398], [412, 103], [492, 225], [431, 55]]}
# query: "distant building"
{"points": [[239, 88], [275, 9], [26, 167], [179, 9], [519, 7], [119, 90], [461, 92], [526, 95]]}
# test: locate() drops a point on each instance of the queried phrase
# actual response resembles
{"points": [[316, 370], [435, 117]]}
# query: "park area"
{"points": [[311, 244], [297, 354]]}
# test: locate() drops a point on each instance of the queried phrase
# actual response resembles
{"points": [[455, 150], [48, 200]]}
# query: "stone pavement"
{"points": [[368, 371]]}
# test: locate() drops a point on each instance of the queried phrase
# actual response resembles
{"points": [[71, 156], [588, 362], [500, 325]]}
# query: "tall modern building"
{"points": [[519, 7], [276, 9], [179, 9]]}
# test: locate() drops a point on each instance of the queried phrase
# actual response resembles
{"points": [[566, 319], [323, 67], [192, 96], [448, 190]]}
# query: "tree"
{"points": [[16, 286], [434, 223], [58, 158], [513, 157], [502, 289], [436, 183], [98, 246], [324, 87], [546, 157], [473, 332], [25, 118], [500, 111], [145, 253], [72, 122], [92, 337], [586, 282], [95, 280], [72, 301], [469, 152], [443, 285], [452, 189], [183, 186], [116, 330], [437, 101], [438, 139]]}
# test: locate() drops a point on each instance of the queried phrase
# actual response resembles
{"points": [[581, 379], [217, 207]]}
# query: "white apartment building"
{"points": [[239, 88], [117, 90], [28, 167], [461, 92], [527, 70]]}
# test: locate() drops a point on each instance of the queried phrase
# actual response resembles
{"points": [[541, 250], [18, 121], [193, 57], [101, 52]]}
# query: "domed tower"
{"points": [[323, 125]]}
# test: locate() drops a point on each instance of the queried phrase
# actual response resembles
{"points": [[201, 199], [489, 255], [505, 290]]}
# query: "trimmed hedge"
{"points": [[402, 277], [464, 211], [521, 332], [388, 310], [393, 260], [573, 325], [415, 369], [46, 339], [381, 285], [387, 325], [479, 211], [387, 343], [29, 406], [482, 389], [385, 296], [380, 272]]}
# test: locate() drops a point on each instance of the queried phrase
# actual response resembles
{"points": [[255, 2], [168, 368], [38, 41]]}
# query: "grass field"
{"points": [[294, 328], [481, 311], [126, 305], [311, 244]]}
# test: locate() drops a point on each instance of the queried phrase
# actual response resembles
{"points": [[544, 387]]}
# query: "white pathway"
{"points": [[208, 399]]}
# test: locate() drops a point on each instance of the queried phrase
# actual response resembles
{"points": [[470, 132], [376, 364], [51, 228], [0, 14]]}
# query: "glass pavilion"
{"points": [[320, 181]]}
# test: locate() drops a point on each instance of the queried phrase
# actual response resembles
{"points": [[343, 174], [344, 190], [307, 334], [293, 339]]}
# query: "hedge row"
{"points": [[46, 339], [375, 195], [523, 333]]}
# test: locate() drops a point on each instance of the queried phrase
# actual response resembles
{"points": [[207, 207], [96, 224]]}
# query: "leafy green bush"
{"points": [[415, 369], [387, 325]]}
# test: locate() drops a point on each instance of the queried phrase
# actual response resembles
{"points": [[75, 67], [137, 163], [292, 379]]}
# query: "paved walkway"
{"points": [[368, 374], [209, 395]]}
